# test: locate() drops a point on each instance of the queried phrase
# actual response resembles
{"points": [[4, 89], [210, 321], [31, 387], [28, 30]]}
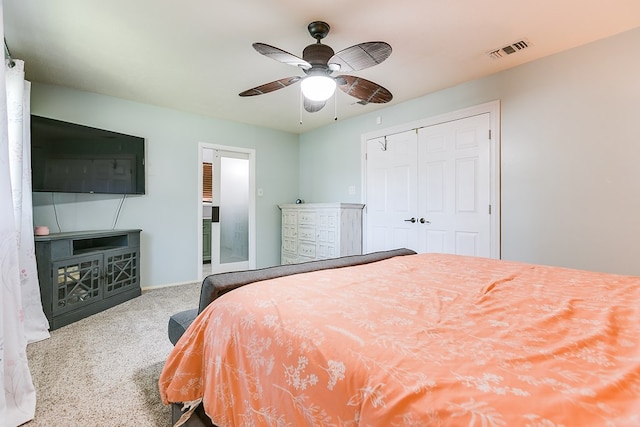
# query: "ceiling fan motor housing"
{"points": [[317, 55]]}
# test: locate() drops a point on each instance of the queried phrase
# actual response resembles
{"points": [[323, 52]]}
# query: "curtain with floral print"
{"points": [[22, 319]]}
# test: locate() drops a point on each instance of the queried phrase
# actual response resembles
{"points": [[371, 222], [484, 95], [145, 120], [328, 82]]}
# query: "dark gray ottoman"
{"points": [[179, 322]]}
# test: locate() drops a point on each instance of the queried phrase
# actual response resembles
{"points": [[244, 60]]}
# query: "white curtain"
{"points": [[22, 319], [18, 92]]}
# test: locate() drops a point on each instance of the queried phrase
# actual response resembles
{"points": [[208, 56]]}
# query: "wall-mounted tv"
{"points": [[72, 158]]}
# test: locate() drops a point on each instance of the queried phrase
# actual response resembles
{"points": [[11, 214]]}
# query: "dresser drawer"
{"points": [[307, 233], [308, 250], [307, 217]]}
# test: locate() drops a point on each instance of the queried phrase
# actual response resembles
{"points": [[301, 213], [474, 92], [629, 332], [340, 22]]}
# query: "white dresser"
{"points": [[312, 231]]}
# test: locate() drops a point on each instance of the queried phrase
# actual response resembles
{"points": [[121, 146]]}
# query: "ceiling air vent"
{"points": [[509, 49]]}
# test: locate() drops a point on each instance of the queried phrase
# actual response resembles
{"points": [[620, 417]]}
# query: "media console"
{"points": [[83, 273]]}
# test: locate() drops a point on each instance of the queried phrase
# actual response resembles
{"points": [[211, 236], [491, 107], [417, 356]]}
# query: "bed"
{"points": [[416, 340]]}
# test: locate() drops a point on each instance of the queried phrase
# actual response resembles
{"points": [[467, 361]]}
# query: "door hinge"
{"points": [[489, 209], [489, 134]]}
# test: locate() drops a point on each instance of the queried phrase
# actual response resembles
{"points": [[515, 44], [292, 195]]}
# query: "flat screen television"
{"points": [[72, 158]]}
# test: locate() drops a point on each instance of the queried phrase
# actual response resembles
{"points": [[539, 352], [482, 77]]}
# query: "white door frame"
{"points": [[252, 200], [493, 108]]}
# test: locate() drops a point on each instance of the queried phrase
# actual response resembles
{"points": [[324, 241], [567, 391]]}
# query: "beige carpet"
{"points": [[103, 370]]}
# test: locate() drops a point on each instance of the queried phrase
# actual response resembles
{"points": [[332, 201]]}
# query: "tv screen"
{"points": [[72, 158]]}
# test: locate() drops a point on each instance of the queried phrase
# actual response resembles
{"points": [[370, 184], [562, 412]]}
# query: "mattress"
{"points": [[417, 340]]}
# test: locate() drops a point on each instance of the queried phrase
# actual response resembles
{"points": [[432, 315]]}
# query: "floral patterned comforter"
{"points": [[419, 340]]}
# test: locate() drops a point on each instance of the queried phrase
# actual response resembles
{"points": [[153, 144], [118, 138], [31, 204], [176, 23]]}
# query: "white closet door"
{"points": [[454, 187], [429, 190], [392, 173]]}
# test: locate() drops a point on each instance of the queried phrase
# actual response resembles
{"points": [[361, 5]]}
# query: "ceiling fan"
{"points": [[319, 62]]}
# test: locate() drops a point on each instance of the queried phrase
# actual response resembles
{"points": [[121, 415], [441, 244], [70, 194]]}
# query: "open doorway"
{"points": [[226, 226]]}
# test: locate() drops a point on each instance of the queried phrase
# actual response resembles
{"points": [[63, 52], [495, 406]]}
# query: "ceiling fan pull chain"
{"points": [[301, 101], [335, 110]]}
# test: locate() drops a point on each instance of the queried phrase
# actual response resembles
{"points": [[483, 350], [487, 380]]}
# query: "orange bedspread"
{"points": [[420, 340]]}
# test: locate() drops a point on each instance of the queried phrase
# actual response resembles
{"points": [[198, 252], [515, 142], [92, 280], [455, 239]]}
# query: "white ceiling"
{"points": [[196, 55]]}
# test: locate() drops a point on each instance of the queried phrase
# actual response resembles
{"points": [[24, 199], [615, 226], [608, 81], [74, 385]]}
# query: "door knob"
{"points": [[424, 221], [412, 220]]}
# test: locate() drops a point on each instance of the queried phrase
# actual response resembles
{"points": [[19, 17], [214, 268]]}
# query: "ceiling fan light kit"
{"points": [[318, 88], [319, 62]]}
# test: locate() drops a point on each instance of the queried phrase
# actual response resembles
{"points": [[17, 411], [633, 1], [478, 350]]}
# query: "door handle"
{"points": [[412, 220], [424, 221]]}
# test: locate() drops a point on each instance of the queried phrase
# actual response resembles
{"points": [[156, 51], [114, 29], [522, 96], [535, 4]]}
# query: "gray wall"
{"points": [[168, 212], [570, 146]]}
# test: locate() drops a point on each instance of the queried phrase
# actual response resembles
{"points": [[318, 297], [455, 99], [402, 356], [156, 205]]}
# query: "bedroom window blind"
{"points": [[207, 182]]}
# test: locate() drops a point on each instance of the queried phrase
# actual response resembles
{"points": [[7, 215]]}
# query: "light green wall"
{"points": [[570, 154], [570, 176], [168, 212]]}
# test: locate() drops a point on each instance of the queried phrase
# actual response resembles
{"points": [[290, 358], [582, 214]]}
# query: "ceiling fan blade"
{"points": [[366, 91], [313, 106], [271, 86], [280, 55], [361, 56]]}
